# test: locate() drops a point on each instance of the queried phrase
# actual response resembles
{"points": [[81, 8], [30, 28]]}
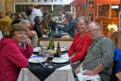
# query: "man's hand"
{"points": [[77, 70], [88, 72]]}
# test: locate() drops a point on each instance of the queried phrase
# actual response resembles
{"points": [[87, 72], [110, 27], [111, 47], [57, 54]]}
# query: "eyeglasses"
{"points": [[93, 30]]}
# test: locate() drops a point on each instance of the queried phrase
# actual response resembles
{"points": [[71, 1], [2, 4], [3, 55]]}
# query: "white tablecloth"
{"points": [[61, 74]]}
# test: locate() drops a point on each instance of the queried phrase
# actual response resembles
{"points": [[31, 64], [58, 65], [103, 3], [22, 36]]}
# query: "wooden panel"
{"points": [[107, 1], [64, 42]]}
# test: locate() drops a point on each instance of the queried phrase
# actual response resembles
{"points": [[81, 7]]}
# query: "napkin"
{"points": [[82, 77]]}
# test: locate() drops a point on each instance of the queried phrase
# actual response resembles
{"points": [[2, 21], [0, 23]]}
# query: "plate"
{"points": [[36, 49], [64, 33], [60, 60], [37, 59], [62, 49]]}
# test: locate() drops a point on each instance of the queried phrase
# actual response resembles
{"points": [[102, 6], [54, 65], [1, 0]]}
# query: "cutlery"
{"points": [[41, 63]]}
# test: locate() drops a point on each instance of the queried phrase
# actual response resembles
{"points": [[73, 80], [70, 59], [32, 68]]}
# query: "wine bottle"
{"points": [[51, 44]]}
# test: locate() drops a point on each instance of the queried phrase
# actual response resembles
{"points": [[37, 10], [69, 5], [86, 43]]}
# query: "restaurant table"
{"points": [[63, 73]]}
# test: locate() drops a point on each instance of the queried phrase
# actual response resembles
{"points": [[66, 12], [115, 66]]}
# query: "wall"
{"points": [[6, 6]]}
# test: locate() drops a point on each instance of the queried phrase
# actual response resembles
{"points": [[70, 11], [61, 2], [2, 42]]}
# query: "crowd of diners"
{"points": [[90, 49]]}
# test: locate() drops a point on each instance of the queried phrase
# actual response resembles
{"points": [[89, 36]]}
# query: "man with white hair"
{"points": [[99, 58]]}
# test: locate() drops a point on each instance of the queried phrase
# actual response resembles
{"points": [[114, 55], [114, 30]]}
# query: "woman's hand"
{"points": [[28, 41]]}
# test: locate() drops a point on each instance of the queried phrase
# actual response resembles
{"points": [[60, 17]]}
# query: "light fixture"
{"points": [[112, 27], [115, 7]]}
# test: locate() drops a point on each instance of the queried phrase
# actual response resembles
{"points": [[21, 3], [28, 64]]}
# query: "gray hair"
{"points": [[69, 14], [96, 24], [24, 22], [84, 19]]}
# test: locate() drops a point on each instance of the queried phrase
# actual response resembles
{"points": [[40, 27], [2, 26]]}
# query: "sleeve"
{"points": [[107, 48], [71, 48], [81, 54], [69, 26], [15, 56], [27, 52]]}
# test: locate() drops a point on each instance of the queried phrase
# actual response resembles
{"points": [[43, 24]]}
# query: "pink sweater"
{"points": [[12, 59]]}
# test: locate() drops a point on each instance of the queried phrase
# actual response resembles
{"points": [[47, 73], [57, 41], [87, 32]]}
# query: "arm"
{"points": [[71, 50], [97, 70], [71, 25], [15, 56], [81, 54], [27, 52], [107, 47]]}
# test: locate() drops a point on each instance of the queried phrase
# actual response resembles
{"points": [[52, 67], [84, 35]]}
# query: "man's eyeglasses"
{"points": [[93, 30]]}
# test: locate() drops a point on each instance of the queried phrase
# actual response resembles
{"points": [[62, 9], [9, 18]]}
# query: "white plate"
{"points": [[60, 60], [36, 49], [37, 59], [64, 33], [62, 49]]}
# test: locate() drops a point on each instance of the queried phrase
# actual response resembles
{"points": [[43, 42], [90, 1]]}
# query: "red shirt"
{"points": [[79, 46], [12, 59]]}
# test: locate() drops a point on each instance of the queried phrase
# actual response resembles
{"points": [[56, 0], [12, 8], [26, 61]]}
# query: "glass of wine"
{"points": [[50, 58]]}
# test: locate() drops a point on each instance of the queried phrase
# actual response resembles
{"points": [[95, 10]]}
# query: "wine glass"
{"points": [[50, 58]]}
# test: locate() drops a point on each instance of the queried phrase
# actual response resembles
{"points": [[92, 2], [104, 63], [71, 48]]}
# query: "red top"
{"points": [[79, 46], [12, 59]]}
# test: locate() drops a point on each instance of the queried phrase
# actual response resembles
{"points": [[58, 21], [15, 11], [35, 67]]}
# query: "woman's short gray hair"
{"points": [[84, 19]]}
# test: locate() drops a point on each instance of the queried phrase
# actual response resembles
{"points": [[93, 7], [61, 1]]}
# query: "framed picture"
{"points": [[91, 4], [103, 11], [91, 16]]}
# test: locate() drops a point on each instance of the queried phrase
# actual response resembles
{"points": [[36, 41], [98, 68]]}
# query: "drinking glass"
{"points": [[50, 58]]}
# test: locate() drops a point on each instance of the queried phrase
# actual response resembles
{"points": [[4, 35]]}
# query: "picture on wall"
{"points": [[91, 16], [103, 11], [91, 4]]}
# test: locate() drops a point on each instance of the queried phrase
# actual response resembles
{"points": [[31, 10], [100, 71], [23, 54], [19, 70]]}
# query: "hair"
{"points": [[17, 27], [69, 14], [24, 22], [36, 19], [96, 24], [84, 19]]}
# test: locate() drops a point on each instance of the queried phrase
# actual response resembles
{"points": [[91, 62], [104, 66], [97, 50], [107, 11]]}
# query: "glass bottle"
{"points": [[58, 50], [49, 32], [51, 44]]}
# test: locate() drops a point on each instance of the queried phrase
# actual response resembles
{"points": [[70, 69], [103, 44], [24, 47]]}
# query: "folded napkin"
{"points": [[82, 77], [43, 72]]}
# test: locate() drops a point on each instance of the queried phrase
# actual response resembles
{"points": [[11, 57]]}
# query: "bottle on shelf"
{"points": [[49, 32], [58, 50]]}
